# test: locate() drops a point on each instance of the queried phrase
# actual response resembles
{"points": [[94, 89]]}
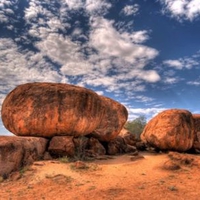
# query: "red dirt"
{"points": [[113, 179]]}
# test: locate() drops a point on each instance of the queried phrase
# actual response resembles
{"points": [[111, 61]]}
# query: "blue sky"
{"points": [[144, 54]]}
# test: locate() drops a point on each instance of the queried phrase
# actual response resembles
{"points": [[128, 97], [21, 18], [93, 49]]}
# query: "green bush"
{"points": [[136, 126]]}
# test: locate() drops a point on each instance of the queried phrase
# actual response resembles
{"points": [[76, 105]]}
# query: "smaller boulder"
{"points": [[170, 130], [17, 152], [95, 148], [128, 137], [119, 146], [60, 146]]}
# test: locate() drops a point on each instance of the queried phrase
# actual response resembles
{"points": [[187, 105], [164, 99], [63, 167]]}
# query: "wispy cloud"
{"points": [[131, 9], [147, 112], [182, 9], [182, 63], [195, 83]]}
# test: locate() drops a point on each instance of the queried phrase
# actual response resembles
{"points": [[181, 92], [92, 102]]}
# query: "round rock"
{"points": [[170, 130], [50, 109]]}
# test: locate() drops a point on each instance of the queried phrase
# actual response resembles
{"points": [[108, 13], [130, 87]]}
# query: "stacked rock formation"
{"points": [[71, 118], [170, 130]]}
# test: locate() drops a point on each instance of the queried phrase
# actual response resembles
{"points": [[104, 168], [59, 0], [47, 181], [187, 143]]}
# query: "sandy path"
{"points": [[113, 179]]}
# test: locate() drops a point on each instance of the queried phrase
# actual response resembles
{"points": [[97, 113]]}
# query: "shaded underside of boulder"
{"points": [[17, 152], [119, 146], [50, 109], [114, 118], [60, 146], [80, 147], [170, 130]]}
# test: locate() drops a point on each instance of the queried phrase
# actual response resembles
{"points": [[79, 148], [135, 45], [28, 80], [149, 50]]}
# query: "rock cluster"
{"points": [[58, 120], [16, 152], [173, 129]]}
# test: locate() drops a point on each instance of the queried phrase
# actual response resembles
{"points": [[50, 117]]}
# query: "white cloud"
{"points": [[109, 42], [177, 64], [147, 112], [182, 9], [95, 7], [195, 83], [74, 4], [131, 9], [136, 37], [170, 80], [148, 75], [7, 12], [144, 99], [182, 63], [19, 67]]}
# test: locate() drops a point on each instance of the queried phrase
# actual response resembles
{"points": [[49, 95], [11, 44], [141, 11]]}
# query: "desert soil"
{"points": [[119, 178]]}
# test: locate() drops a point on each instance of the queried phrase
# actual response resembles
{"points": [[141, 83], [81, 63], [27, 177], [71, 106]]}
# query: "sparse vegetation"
{"points": [[23, 170], [136, 126], [64, 159], [80, 153]]}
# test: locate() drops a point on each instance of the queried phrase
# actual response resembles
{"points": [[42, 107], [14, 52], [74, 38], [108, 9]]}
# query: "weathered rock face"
{"points": [[95, 148], [119, 146], [196, 144], [128, 137], [60, 146], [79, 148], [170, 130], [16, 152], [112, 122], [50, 109]]}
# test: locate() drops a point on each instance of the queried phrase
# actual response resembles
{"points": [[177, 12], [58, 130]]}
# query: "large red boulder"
{"points": [[50, 109], [170, 130], [17, 152], [114, 118]]}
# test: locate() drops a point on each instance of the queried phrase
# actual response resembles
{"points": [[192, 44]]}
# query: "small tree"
{"points": [[136, 126]]}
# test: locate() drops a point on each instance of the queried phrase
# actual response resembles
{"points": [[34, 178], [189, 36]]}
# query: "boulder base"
{"points": [[17, 152]]}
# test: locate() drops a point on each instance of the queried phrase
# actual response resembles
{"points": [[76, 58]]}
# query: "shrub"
{"points": [[136, 126]]}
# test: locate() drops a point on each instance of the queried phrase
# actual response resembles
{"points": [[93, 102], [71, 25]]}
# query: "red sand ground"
{"points": [[113, 179]]}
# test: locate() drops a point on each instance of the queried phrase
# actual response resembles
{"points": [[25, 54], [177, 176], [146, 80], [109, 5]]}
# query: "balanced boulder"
{"points": [[50, 109], [170, 130], [114, 118]]}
